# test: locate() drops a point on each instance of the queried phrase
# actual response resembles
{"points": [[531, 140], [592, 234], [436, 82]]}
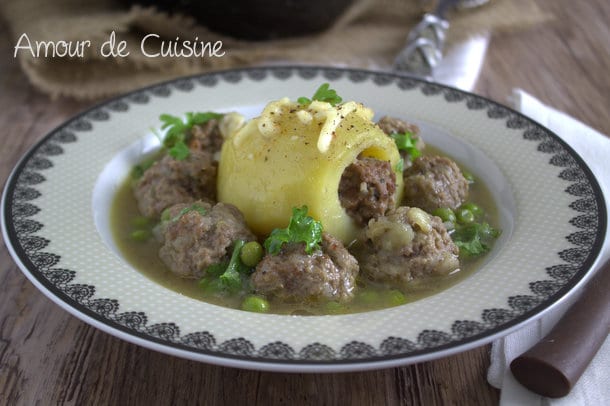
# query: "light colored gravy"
{"points": [[370, 296]]}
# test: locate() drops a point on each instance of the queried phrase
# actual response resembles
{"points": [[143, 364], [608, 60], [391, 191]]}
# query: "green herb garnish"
{"points": [[231, 279], [301, 228], [323, 94], [138, 171], [405, 142], [216, 269], [474, 239], [226, 276], [400, 165], [193, 207], [179, 151], [178, 131]]}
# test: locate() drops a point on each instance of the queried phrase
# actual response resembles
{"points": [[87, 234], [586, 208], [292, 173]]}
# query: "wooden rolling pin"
{"points": [[553, 366]]}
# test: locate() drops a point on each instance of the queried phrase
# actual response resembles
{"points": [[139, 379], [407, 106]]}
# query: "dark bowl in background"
{"points": [[256, 19]]}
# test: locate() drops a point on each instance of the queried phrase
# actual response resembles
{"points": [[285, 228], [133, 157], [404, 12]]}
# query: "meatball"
{"points": [[391, 125], [206, 137], [198, 235], [406, 245], [295, 276], [434, 182], [170, 181], [366, 189]]}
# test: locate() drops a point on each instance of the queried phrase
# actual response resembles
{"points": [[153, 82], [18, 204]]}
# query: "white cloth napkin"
{"points": [[593, 388]]}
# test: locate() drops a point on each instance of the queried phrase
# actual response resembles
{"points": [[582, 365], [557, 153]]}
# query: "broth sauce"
{"points": [[143, 256]]}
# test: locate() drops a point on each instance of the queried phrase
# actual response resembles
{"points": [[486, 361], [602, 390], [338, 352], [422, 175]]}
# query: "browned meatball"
{"points": [[406, 245], [198, 235], [434, 182], [206, 137], [295, 276], [391, 125], [170, 181], [366, 189]]}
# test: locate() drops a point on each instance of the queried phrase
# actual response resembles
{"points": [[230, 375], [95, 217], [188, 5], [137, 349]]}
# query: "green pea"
{"points": [[468, 176], [476, 210], [140, 221], [394, 297], [251, 253], [165, 215], [445, 213], [253, 303], [140, 235], [464, 216]]}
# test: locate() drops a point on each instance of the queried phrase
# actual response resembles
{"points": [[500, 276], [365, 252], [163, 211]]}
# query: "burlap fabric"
{"points": [[369, 34]]}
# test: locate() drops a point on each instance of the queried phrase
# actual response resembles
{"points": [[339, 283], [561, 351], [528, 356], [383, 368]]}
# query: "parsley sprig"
{"points": [[193, 207], [407, 143], [474, 239], [138, 170], [301, 228], [323, 94], [178, 131], [227, 276], [166, 214]]}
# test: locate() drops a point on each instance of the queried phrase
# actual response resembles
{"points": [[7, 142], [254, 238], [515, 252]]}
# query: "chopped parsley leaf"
{"points": [[231, 277], [301, 228], [323, 94], [405, 142], [227, 276], [179, 151], [193, 207], [216, 269], [400, 165], [138, 171], [178, 131], [474, 239]]}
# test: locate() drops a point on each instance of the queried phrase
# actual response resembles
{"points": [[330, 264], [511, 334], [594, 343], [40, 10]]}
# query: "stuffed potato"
{"points": [[294, 155]]}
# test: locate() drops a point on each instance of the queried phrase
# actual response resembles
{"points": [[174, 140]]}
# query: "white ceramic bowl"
{"points": [[55, 211]]}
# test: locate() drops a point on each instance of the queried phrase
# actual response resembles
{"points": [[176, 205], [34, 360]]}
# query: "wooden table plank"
{"points": [[564, 62]]}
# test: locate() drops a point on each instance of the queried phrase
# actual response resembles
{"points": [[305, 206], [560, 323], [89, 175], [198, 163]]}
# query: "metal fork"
{"points": [[425, 43]]}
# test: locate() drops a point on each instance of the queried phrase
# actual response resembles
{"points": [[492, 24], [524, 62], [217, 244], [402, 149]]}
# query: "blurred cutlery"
{"points": [[425, 42]]}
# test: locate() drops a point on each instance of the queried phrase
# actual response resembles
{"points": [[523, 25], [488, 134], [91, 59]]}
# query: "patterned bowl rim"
{"points": [[37, 265]]}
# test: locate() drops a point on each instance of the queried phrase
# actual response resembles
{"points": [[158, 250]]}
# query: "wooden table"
{"points": [[49, 357]]}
